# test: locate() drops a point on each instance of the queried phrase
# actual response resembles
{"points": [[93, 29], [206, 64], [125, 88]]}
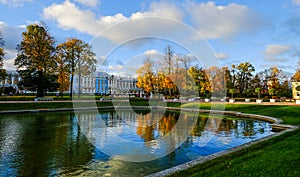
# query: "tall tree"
{"points": [[201, 80], [63, 75], [80, 60], [35, 59], [296, 76], [146, 77], [217, 80], [168, 59], [3, 73], [244, 75]]}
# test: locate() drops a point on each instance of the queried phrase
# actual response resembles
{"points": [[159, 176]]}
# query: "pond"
{"points": [[68, 144]]}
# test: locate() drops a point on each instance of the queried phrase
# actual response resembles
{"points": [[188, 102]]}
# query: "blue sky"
{"points": [[265, 33]]}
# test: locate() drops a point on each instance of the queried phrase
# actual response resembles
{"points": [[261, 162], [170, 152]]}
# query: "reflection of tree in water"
{"points": [[228, 126], [151, 126], [48, 144]]}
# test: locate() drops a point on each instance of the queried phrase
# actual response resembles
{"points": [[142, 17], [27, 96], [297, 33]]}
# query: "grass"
{"points": [[6, 106], [278, 156], [289, 114]]}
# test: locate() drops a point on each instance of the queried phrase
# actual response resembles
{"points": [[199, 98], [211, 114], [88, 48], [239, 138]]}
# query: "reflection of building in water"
{"points": [[104, 84]]}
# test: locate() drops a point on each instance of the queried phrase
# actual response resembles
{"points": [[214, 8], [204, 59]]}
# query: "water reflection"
{"points": [[62, 144]]}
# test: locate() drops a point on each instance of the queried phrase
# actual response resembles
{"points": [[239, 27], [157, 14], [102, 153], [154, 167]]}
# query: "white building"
{"points": [[296, 90], [105, 84]]}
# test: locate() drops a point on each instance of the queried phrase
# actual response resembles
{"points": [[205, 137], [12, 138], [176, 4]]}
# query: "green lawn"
{"points": [[279, 156]]}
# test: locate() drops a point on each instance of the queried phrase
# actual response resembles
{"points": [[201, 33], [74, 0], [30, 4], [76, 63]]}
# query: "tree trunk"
{"points": [[71, 87], [40, 90], [79, 85]]}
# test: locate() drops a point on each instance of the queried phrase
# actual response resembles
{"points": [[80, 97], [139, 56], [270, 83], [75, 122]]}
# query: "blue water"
{"points": [[115, 143]]}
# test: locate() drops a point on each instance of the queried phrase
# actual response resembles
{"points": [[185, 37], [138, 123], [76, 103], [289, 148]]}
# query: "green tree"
{"points": [[258, 90], [3, 73], [80, 60], [271, 91], [244, 76], [201, 80], [231, 91], [35, 59], [255, 83]]}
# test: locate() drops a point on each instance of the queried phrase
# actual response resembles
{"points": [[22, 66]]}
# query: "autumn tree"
{"points": [[274, 78], [63, 74], [217, 80], [35, 60], [79, 59], [146, 78], [296, 76], [201, 80], [153, 80]]}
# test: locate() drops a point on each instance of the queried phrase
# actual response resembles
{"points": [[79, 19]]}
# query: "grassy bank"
{"points": [[278, 156], [6, 106]]}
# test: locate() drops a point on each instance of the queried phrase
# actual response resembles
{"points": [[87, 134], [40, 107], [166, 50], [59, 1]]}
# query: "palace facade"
{"points": [[100, 83], [105, 84]]}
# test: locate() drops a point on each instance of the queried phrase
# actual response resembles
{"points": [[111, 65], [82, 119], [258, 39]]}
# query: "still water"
{"points": [[64, 144]]}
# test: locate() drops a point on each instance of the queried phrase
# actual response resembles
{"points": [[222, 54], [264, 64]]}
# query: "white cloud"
{"points": [[275, 52], [296, 2], [223, 21], [69, 16], [222, 55], [14, 2], [277, 59], [115, 67], [12, 37], [91, 3], [275, 49], [151, 52]]}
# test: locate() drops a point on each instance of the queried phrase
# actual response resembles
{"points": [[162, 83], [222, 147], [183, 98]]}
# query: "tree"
{"points": [[146, 77], [168, 59], [258, 90], [217, 80], [201, 80], [63, 72], [80, 60], [3, 73], [296, 76], [232, 91], [244, 75], [255, 82], [271, 91], [35, 59]]}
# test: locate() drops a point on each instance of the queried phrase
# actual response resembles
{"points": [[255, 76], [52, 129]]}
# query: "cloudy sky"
{"points": [[122, 33]]}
